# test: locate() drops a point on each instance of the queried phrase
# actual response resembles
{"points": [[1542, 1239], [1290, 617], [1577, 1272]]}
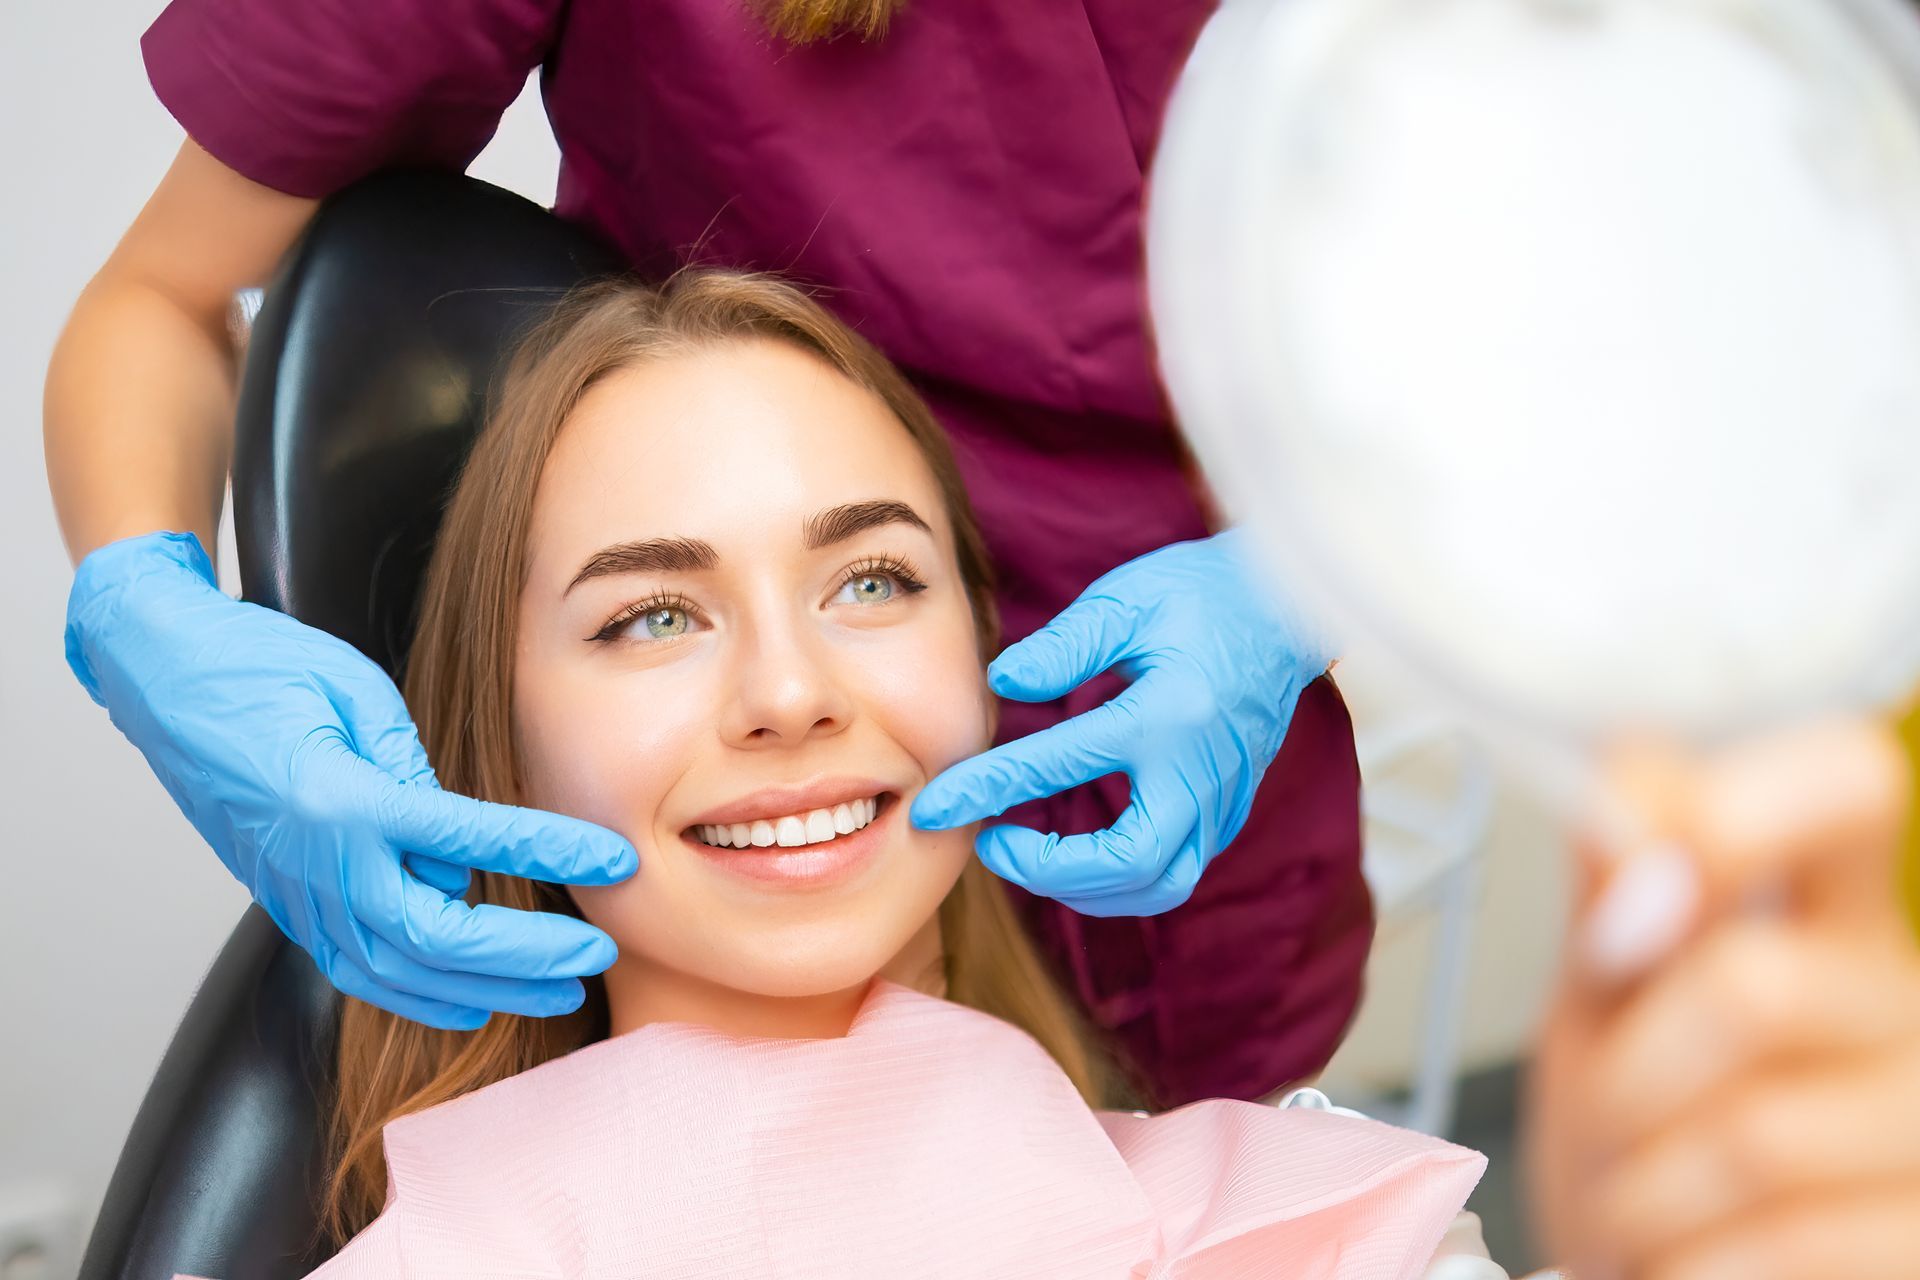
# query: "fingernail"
{"points": [[623, 863], [1642, 914], [595, 955], [928, 815], [1014, 664]]}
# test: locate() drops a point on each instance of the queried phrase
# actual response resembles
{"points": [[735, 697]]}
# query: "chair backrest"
{"points": [[364, 383]]}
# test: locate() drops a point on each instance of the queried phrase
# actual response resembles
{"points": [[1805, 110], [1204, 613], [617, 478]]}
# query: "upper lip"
{"points": [[778, 802]]}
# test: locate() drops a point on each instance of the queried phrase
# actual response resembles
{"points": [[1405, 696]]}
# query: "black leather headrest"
{"points": [[364, 383], [366, 376]]}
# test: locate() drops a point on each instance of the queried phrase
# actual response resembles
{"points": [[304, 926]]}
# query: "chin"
{"points": [[799, 982], [818, 963]]}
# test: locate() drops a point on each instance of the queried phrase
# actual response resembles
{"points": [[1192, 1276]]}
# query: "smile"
{"points": [[790, 831]]}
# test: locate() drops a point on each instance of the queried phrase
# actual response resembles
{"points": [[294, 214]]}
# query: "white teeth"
{"points": [[816, 826]]}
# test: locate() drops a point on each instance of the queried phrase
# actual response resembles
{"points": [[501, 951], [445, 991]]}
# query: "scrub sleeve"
{"points": [[966, 193]]}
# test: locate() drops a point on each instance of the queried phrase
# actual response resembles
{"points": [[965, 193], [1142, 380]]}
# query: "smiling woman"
{"points": [[711, 579]]}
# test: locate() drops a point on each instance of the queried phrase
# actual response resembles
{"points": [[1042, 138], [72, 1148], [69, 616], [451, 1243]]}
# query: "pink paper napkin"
{"points": [[932, 1141]]}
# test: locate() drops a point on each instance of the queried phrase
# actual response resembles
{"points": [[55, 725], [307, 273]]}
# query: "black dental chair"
{"points": [[364, 383]]}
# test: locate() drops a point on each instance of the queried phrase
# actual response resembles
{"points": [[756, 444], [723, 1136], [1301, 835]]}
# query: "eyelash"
{"points": [[639, 609], [892, 566]]}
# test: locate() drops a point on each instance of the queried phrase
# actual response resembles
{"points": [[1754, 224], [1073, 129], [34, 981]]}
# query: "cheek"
{"points": [[604, 751], [932, 699], [596, 749]]}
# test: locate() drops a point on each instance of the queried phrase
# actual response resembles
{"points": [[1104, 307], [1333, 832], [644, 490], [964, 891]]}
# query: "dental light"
{"points": [[1568, 350]]}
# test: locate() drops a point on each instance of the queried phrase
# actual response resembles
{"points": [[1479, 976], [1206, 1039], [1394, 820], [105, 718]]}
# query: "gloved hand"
{"points": [[1216, 668], [297, 760]]}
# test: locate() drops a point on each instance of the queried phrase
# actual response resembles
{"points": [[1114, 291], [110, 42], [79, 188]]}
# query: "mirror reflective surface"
{"points": [[1569, 349]]}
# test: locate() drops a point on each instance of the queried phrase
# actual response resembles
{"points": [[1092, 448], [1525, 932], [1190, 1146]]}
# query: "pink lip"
{"points": [[810, 866], [778, 802]]}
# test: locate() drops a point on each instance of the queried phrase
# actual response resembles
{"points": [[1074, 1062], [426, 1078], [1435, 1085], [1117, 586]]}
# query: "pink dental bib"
{"points": [[932, 1141]]}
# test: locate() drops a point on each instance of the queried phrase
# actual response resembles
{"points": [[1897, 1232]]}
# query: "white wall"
{"points": [[110, 907], [108, 912]]}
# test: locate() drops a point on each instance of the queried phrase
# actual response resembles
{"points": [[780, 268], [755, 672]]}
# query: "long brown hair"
{"points": [[460, 680], [805, 21]]}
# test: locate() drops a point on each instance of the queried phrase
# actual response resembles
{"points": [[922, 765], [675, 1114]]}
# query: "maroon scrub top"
{"points": [[968, 192]]}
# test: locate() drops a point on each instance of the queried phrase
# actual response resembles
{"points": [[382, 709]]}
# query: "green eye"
{"points": [[665, 624], [871, 588], [664, 617]]}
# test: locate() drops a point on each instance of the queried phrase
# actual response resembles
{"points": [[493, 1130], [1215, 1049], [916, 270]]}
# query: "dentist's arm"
{"points": [[289, 751], [140, 392]]}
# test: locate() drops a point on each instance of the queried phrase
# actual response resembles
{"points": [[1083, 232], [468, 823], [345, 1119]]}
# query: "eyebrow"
{"points": [[837, 524], [692, 555]]}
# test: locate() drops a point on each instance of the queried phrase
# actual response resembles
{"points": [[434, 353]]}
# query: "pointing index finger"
{"points": [[1075, 751]]}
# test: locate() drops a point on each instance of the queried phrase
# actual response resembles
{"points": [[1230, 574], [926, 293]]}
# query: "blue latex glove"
{"points": [[1216, 668], [297, 760]]}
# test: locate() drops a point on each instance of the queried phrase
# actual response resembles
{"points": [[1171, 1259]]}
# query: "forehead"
{"points": [[735, 444]]}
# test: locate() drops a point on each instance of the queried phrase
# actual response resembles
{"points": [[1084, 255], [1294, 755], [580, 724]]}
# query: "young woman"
{"points": [[900, 168], [711, 580]]}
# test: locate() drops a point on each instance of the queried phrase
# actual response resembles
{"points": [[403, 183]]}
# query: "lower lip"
{"points": [[807, 866]]}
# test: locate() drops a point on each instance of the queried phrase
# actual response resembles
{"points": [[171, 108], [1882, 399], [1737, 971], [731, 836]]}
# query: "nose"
{"points": [[786, 689]]}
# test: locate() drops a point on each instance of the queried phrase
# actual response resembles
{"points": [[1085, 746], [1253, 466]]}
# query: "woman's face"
{"points": [[744, 624]]}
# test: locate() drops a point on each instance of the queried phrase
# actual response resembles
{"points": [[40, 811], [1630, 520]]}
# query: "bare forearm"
{"points": [[139, 405], [138, 416]]}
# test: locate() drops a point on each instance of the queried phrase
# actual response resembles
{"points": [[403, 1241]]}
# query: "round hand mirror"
{"points": [[1569, 349]]}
